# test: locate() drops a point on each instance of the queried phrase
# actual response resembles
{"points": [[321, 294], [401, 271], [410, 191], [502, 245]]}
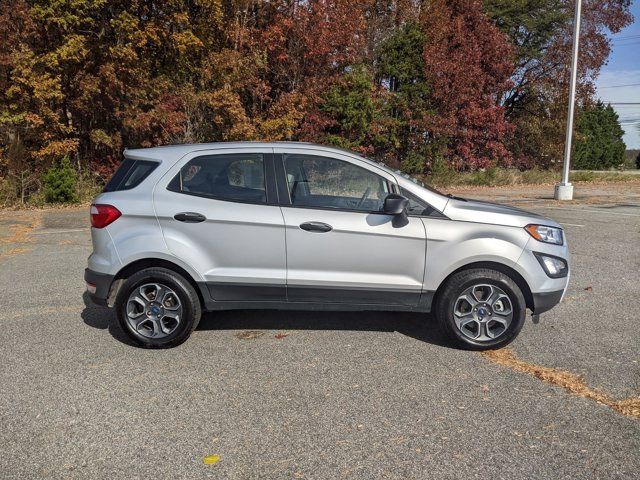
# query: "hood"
{"points": [[493, 213]]}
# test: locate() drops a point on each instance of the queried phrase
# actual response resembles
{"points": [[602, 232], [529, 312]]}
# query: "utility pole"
{"points": [[564, 190]]}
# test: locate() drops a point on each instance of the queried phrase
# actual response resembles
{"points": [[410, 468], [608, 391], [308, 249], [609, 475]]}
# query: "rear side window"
{"points": [[236, 177], [130, 174]]}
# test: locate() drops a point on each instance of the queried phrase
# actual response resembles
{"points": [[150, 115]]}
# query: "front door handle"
{"points": [[318, 227], [190, 217]]}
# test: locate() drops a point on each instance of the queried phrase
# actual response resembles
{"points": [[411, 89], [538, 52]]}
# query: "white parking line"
{"points": [[606, 212], [50, 232], [570, 224]]}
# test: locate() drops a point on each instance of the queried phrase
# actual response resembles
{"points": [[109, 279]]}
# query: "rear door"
{"points": [[218, 212], [340, 247]]}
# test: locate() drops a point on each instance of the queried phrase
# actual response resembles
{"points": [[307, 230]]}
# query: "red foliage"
{"points": [[468, 62], [159, 125], [314, 41]]}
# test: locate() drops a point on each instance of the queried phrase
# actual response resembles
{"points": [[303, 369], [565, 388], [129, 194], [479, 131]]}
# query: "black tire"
{"points": [[190, 303], [456, 285]]}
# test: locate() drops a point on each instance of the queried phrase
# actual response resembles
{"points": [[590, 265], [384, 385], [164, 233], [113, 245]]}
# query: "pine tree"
{"points": [[599, 145]]}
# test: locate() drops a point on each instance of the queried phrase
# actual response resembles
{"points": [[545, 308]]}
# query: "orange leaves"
{"points": [[114, 74], [57, 149], [227, 115]]}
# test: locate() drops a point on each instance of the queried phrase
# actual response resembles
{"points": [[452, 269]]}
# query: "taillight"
{"points": [[103, 215]]}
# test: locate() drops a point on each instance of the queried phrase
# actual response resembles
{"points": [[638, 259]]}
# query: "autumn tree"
{"points": [[468, 63], [407, 82], [541, 31]]}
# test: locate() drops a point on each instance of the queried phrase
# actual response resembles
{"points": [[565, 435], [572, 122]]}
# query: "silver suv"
{"points": [[184, 229]]}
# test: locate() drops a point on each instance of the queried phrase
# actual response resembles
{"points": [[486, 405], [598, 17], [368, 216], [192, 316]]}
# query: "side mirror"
{"points": [[395, 204]]}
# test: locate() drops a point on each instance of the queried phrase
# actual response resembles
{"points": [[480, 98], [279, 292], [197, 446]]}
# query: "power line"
{"points": [[631, 44], [625, 37], [620, 86]]}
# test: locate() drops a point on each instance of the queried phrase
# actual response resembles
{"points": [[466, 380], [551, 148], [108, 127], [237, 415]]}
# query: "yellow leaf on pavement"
{"points": [[211, 459]]}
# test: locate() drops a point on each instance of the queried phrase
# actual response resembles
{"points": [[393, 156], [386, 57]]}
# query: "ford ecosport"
{"points": [[184, 229]]}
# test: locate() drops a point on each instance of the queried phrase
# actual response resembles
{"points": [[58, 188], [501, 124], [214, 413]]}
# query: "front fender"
{"points": [[454, 244]]}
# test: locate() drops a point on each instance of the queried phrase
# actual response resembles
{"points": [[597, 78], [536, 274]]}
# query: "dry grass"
{"points": [[571, 382], [494, 177]]}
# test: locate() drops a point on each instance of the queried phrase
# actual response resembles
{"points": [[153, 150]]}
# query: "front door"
{"points": [[218, 212], [340, 247]]}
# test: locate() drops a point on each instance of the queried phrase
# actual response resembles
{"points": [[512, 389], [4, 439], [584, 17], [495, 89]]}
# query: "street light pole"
{"points": [[564, 190]]}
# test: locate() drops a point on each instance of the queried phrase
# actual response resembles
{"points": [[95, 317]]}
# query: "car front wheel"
{"points": [[481, 309]]}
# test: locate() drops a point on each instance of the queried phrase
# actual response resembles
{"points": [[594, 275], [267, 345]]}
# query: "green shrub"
{"points": [[413, 164], [60, 183], [485, 177], [37, 199], [442, 174]]}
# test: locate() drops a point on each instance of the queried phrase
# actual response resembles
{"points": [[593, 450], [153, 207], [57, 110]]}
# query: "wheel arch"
{"points": [[151, 262], [500, 267]]}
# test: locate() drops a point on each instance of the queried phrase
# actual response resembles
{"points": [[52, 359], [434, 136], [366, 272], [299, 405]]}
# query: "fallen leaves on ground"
{"points": [[281, 335], [248, 334], [571, 382]]}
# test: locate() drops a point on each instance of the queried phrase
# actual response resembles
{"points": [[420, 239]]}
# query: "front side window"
{"points": [[416, 205], [419, 207], [323, 182], [235, 177]]}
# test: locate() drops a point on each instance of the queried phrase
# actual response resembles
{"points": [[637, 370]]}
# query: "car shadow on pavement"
{"points": [[102, 318], [420, 326]]}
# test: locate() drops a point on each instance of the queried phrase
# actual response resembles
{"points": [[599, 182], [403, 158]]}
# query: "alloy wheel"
{"points": [[153, 310], [483, 312]]}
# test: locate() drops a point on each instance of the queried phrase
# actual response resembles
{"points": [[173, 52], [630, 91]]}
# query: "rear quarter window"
{"points": [[130, 174], [236, 177]]}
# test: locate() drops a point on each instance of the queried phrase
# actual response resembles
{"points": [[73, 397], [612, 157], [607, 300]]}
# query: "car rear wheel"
{"points": [[157, 308], [481, 309]]}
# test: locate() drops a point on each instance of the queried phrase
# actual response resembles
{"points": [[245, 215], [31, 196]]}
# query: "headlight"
{"points": [[554, 267], [545, 234]]}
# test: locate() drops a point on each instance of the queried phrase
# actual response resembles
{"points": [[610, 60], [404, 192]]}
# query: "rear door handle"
{"points": [[318, 227], [190, 217]]}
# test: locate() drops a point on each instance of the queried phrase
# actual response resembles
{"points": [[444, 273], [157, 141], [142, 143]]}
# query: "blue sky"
{"points": [[619, 80]]}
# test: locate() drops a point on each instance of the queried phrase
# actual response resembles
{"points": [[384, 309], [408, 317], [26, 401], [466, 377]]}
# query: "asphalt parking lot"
{"points": [[322, 395]]}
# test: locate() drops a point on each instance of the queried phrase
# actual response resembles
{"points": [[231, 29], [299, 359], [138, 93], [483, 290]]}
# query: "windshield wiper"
{"points": [[457, 198]]}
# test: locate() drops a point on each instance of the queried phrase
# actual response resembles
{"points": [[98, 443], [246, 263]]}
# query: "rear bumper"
{"points": [[543, 302], [102, 282]]}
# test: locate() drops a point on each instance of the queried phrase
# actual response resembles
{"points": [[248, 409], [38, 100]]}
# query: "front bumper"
{"points": [[546, 291], [543, 302], [102, 283]]}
